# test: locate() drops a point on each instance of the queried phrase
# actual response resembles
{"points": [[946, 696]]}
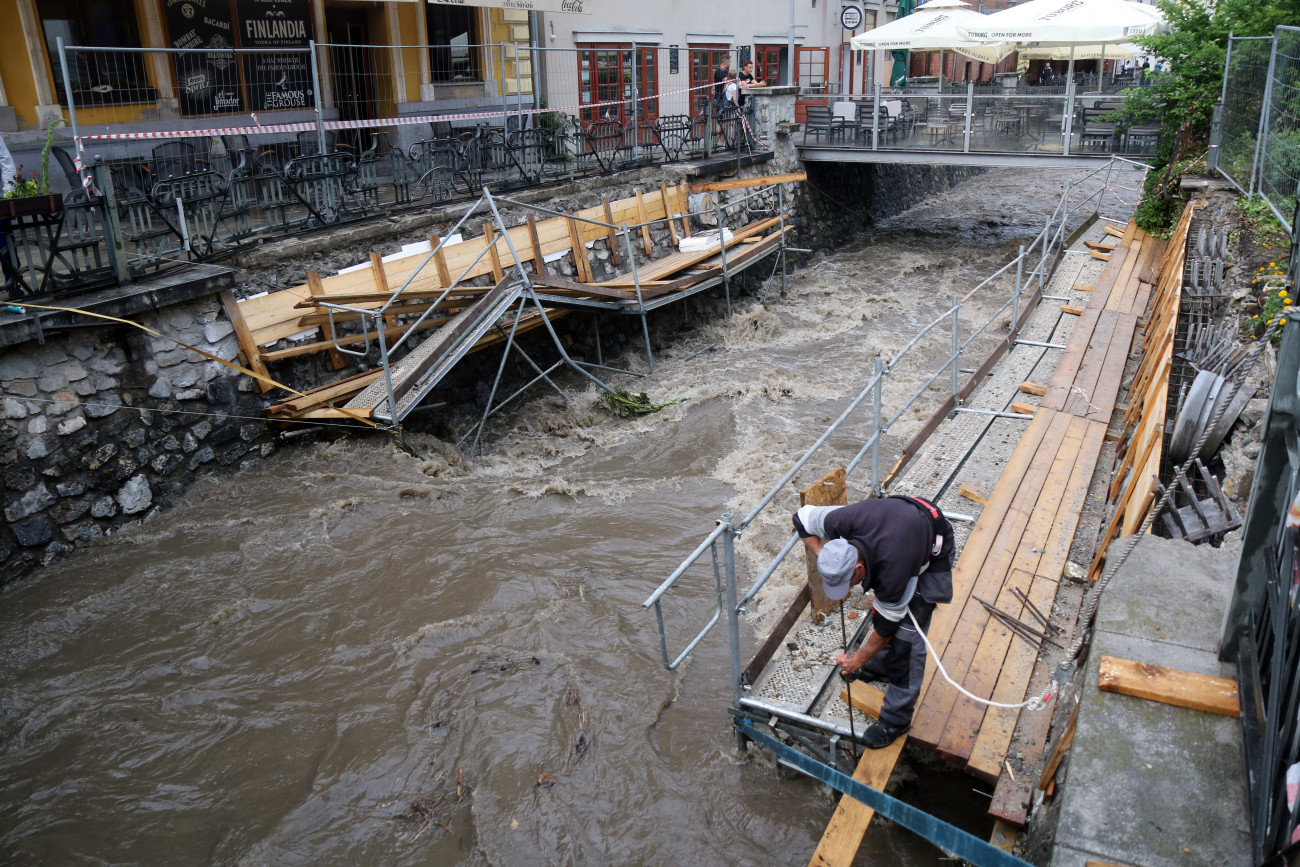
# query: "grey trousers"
{"points": [[901, 663]]}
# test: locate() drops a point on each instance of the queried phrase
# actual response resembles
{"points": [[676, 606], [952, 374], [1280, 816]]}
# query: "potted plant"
{"points": [[31, 195]]}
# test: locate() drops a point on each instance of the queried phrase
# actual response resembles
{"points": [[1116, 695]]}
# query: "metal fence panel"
{"points": [[1279, 158], [1245, 77]]}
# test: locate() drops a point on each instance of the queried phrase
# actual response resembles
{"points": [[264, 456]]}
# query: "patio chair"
{"points": [[822, 124], [175, 159]]}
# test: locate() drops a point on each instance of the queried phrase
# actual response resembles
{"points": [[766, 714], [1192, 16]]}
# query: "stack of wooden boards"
{"points": [[263, 321], [1021, 543]]}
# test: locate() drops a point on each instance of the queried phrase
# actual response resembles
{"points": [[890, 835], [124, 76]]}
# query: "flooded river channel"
{"points": [[350, 655]]}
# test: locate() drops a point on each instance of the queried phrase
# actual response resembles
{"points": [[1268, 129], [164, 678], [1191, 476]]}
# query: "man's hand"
{"points": [[851, 662], [848, 662]]}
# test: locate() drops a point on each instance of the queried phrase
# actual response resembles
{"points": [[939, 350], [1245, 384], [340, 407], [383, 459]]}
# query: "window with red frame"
{"points": [[703, 61], [810, 71], [605, 76], [767, 64]]}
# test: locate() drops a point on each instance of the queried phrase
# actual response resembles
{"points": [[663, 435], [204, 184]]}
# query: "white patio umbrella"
{"points": [[1070, 24], [933, 26]]}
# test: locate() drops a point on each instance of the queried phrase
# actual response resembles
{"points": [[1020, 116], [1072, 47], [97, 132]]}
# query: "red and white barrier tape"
{"points": [[308, 126]]}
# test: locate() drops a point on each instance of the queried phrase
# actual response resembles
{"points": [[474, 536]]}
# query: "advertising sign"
{"points": [[276, 81], [205, 83]]}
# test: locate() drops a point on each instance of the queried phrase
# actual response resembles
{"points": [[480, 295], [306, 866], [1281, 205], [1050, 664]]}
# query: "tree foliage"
{"points": [[1184, 98]]}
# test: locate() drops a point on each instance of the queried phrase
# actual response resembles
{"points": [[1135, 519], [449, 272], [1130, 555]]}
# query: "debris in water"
{"points": [[625, 404], [545, 781], [430, 809], [506, 665]]}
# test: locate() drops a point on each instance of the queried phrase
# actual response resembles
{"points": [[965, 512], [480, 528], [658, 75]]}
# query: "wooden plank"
{"points": [[684, 208], [1094, 358], [327, 330], [642, 218], [1032, 388], [391, 331], [615, 257], [342, 388], [1062, 747], [581, 264], [745, 183], [1085, 287], [973, 493], [1071, 310], [1100, 402], [1105, 257], [247, 345], [843, 835], [1169, 686], [1093, 245], [494, 255], [1007, 514], [1003, 836], [440, 261], [864, 697], [998, 727], [381, 282], [1067, 368], [830, 490], [1113, 231], [1125, 286], [1017, 567], [672, 224], [1023, 408], [539, 262]]}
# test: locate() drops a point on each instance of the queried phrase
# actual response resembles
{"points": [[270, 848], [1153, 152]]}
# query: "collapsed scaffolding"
{"points": [[488, 290]]}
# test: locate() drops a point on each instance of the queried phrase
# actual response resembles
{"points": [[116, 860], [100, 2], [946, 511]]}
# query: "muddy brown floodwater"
{"points": [[348, 655]]}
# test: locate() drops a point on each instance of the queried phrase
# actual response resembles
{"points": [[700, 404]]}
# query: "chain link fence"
{"points": [[1259, 136]]}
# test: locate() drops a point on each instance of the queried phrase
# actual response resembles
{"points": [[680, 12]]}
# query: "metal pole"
{"points": [[875, 116], [636, 283], [112, 224], [1069, 110], [1261, 149], [733, 615], [388, 373], [722, 245], [1227, 64], [67, 90], [1042, 262], [956, 345], [708, 124], [636, 110], [780, 204], [789, 45], [315, 83], [505, 103], [970, 106], [876, 400], [519, 90], [1020, 270]]}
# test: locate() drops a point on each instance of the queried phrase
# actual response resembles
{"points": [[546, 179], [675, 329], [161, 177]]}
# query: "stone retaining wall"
{"points": [[107, 425]]}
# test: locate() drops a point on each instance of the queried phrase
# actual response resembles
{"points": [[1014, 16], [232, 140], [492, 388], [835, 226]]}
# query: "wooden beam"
{"points": [[440, 261], [1024, 408], [641, 218], [1113, 231], [745, 183], [380, 277], [843, 835], [830, 490], [1093, 245], [614, 256], [1169, 686], [247, 346], [1033, 388], [1071, 309], [668, 212], [494, 256], [973, 493], [1059, 751], [1105, 257], [864, 697], [539, 263], [1084, 287], [337, 361]]}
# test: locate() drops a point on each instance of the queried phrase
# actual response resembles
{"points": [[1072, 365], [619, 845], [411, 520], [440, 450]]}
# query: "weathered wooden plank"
{"points": [[1032, 388], [745, 183], [643, 219], [1022, 408], [973, 493], [1060, 749], [1017, 568], [1071, 310], [1009, 513], [830, 490], [1169, 686], [672, 224], [864, 697], [247, 345], [843, 835], [494, 255], [337, 361], [1093, 245], [994, 738]]}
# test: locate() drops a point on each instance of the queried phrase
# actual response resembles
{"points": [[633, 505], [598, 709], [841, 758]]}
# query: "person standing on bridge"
{"points": [[901, 548]]}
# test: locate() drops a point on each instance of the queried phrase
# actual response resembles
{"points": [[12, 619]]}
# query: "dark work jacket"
{"points": [[894, 538]]}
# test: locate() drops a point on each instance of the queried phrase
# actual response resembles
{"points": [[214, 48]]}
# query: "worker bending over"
{"points": [[902, 549]]}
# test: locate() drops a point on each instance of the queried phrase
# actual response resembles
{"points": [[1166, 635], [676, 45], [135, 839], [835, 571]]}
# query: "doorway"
{"points": [[353, 72]]}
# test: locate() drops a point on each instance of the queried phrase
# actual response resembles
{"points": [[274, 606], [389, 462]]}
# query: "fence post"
{"points": [[1042, 262], [970, 109], [1015, 304], [1257, 168], [733, 616], [708, 124], [67, 89], [876, 429], [112, 225], [956, 347], [636, 110], [1216, 139], [505, 102], [315, 82], [519, 90], [875, 116], [1069, 116]]}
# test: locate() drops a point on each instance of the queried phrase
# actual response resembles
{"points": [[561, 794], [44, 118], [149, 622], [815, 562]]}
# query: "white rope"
{"points": [[1035, 703]]}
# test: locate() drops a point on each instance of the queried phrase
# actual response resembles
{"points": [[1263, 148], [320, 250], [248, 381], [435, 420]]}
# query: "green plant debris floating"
{"points": [[625, 404]]}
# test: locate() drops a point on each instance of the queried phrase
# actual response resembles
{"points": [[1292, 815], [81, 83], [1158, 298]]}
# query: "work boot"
{"points": [[882, 734]]}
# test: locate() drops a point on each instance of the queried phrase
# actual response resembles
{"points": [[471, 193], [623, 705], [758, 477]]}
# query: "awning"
{"points": [[573, 7]]}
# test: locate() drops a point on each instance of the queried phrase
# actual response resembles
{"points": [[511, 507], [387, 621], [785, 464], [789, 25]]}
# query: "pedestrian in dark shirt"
{"points": [[721, 73], [901, 548], [747, 80]]}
